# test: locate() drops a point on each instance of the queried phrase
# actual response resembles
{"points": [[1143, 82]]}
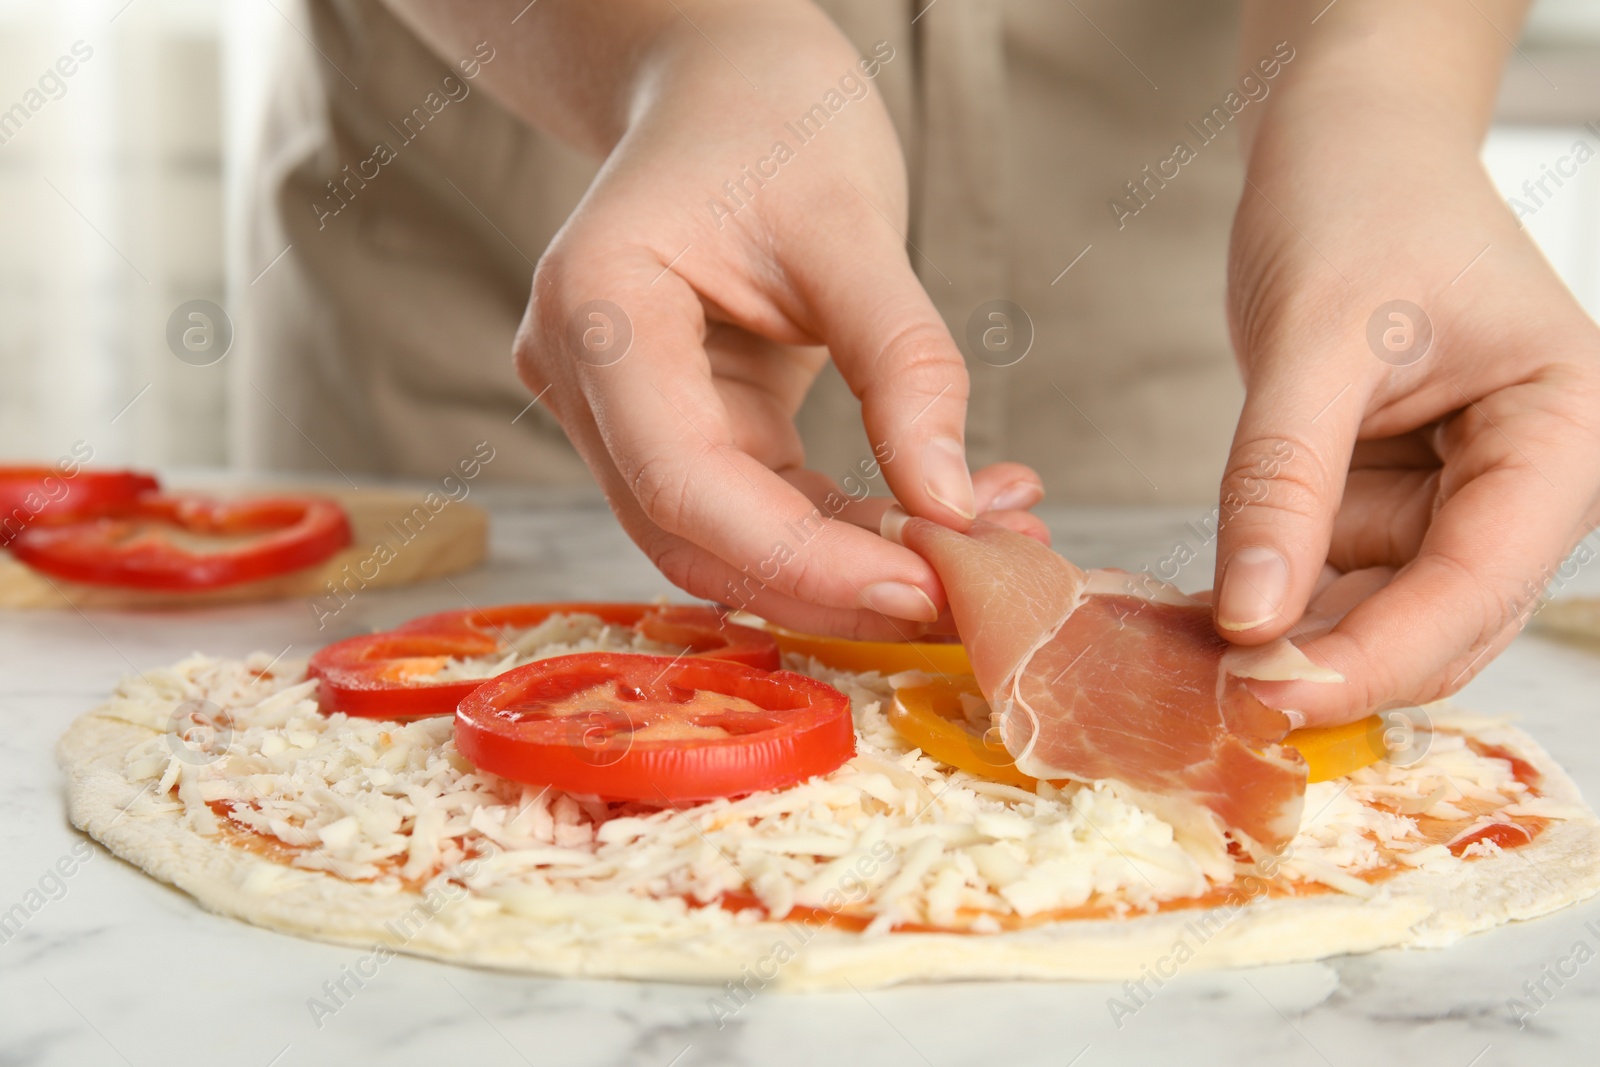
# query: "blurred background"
{"points": [[118, 203]]}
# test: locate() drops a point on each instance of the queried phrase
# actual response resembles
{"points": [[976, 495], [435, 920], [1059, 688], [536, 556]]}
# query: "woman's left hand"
{"points": [[1423, 397]]}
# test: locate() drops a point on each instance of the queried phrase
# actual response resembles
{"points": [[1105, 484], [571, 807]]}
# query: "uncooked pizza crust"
{"points": [[397, 539], [575, 936]]}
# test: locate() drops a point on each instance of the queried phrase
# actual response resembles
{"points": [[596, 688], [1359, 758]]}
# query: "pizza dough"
{"points": [[397, 539], [153, 800]]}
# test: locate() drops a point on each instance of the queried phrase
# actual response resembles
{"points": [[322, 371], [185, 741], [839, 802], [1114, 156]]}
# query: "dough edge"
{"points": [[1414, 909]]}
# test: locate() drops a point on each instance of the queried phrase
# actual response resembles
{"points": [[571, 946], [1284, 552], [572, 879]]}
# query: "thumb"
{"points": [[898, 357], [1281, 490]]}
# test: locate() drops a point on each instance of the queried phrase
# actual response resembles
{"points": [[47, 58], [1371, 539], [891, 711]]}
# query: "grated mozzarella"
{"points": [[892, 836], [559, 635]]}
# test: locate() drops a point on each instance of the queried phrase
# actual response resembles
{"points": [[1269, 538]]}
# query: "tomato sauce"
{"points": [[854, 921], [264, 845], [1521, 769], [1512, 832], [278, 851]]}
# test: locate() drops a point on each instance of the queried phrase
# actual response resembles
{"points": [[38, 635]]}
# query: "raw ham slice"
{"points": [[1109, 675]]}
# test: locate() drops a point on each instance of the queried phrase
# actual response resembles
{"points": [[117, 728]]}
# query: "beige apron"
{"points": [[380, 340]]}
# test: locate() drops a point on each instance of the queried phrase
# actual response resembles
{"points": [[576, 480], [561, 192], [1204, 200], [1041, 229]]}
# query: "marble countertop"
{"points": [[114, 968]]}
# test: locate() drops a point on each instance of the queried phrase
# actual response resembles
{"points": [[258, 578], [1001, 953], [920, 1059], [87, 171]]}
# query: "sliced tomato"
{"points": [[387, 675], [701, 631], [632, 727], [189, 543], [947, 658], [933, 718], [47, 496]]}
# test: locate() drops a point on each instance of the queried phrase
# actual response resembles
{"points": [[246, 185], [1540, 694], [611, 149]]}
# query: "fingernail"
{"points": [[900, 600], [1296, 719], [1253, 588], [945, 476], [1022, 495], [892, 526]]}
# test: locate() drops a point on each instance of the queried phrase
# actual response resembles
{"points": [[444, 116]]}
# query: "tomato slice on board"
{"points": [[189, 543], [386, 675], [933, 718], [631, 727], [947, 658], [47, 496]]}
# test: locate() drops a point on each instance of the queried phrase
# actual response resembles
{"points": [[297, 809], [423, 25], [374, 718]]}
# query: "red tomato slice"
{"points": [[189, 543], [702, 631], [46, 496], [385, 675], [631, 727]]}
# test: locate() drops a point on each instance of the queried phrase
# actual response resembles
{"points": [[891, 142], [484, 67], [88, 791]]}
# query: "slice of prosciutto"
{"points": [[1095, 675]]}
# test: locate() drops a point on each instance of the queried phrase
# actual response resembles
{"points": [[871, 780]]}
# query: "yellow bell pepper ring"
{"points": [[945, 658], [932, 718], [1335, 751]]}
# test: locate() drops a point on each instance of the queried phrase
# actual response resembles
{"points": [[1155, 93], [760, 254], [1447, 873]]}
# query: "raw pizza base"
{"points": [[451, 540], [1416, 908]]}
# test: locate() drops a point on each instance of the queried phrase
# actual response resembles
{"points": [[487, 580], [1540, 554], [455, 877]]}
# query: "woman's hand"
{"points": [[750, 212], [1423, 394]]}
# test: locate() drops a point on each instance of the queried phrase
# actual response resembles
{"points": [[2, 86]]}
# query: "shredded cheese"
{"points": [[559, 635], [892, 837]]}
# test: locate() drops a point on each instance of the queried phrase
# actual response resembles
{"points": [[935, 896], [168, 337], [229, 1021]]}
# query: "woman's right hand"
{"points": [[718, 260]]}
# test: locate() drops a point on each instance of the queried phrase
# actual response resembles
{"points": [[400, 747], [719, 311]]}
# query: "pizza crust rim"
{"points": [[1414, 908]]}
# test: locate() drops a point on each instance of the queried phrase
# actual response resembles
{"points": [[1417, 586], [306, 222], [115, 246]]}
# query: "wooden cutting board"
{"points": [[1572, 617], [398, 540]]}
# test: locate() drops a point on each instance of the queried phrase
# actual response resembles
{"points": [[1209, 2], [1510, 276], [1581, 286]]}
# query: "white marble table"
{"points": [[121, 970]]}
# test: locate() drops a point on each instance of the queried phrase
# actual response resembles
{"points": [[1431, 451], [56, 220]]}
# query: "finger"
{"points": [[1336, 596], [893, 349], [1383, 517], [762, 382], [667, 433], [802, 617], [1361, 693], [1414, 450], [854, 508], [697, 571], [1006, 487], [1025, 523], [1281, 490], [702, 574], [1328, 576], [943, 626], [1003, 493], [1519, 485]]}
